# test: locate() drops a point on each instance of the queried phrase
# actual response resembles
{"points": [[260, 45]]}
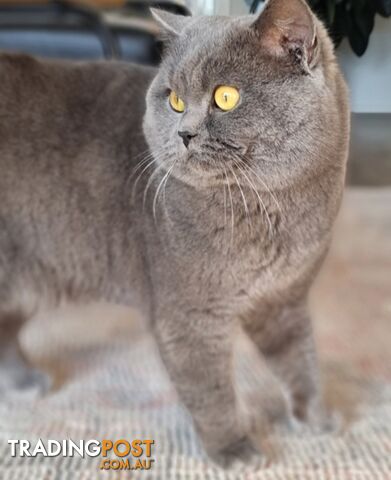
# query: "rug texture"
{"points": [[110, 383]]}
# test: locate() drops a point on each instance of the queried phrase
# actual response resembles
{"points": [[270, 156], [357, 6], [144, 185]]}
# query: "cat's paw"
{"points": [[324, 422], [239, 456], [36, 380], [25, 381]]}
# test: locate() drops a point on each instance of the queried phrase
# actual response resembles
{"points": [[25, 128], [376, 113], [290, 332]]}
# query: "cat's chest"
{"points": [[258, 268], [232, 265], [228, 267], [243, 267]]}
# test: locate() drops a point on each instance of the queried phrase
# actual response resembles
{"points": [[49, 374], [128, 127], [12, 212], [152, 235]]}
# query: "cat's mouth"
{"points": [[208, 161], [204, 167], [214, 159], [215, 152]]}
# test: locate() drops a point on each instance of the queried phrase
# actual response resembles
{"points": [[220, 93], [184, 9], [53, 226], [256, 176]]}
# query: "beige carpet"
{"points": [[110, 383]]}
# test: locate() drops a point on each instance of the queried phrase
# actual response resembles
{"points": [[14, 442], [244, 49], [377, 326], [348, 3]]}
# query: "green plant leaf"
{"points": [[383, 7], [330, 11]]}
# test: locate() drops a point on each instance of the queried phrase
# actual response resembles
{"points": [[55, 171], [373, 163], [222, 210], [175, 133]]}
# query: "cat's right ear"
{"points": [[287, 28], [172, 24]]}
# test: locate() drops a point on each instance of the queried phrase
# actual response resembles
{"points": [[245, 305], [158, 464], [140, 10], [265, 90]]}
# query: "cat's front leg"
{"points": [[16, 373], [197, 350], [286, 341]]}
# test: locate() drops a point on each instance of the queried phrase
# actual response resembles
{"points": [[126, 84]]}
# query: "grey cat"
{"points": [[222, 218]]}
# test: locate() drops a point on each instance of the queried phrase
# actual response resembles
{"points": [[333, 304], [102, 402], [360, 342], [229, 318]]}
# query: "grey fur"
{"points": [[230, 231]]}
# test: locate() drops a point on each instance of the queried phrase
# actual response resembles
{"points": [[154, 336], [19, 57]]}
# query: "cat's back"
{"points": [[39, 98], [67, 122], [69, 134]]}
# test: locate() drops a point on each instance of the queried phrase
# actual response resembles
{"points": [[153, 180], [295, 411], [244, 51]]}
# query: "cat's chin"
{"points": [[199, 175], [199, 169]]}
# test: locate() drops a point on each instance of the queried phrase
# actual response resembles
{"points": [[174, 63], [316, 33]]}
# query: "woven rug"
{"points": [[109, 382]]}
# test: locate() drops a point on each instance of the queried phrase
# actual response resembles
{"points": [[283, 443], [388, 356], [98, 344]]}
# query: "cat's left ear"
{"points": [[287, 28], [171, 23]]}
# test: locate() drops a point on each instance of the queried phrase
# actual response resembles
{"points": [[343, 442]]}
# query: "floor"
{"points": [[110, 383], [370, 150]]}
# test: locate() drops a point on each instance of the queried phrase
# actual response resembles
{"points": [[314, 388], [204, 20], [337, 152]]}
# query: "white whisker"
{"points": [[164, 191], [264, 184], [242, 195], [134, 187], [150, 181], [261, 203], [225, 204], [146, 156], [232, 207], [158, 190]]}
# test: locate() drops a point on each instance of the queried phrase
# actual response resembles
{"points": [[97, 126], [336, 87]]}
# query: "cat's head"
{"points": [[247, 94]]}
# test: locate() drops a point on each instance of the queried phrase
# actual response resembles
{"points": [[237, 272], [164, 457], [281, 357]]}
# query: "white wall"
{"points": [[369, 77]]}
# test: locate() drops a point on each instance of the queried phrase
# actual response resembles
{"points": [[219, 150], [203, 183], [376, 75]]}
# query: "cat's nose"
{"points": [[186, 136]]}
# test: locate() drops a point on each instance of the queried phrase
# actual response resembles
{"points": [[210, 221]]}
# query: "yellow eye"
{"points": [[176, 103], [227, 98]]}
